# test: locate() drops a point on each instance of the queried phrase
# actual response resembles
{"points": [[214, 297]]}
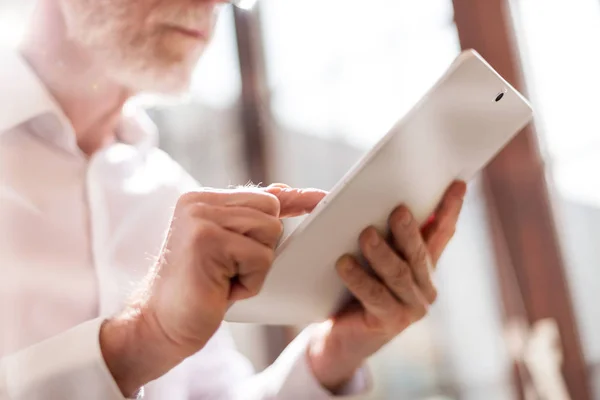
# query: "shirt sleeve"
{"points": [[68, 366], [71, 366], [288, 378]]}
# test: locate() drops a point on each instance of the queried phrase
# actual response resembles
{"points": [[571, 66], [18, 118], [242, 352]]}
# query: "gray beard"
{"points": [[125, 58]]}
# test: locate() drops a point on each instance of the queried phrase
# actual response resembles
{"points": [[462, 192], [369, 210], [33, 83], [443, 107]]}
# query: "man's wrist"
{"points": [[331, 375], [132, 354], [333, 372]]}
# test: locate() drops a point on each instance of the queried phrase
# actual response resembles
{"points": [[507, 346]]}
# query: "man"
{"points": [[87, 199]]}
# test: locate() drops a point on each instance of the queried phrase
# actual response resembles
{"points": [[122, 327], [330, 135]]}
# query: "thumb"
{"points": [[295, 202]]}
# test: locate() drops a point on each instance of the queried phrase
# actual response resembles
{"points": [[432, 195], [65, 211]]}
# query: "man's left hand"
{"points": [[386, 304]]}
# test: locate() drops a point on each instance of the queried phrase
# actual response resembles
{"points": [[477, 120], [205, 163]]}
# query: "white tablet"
{"points": [[454, 131]]}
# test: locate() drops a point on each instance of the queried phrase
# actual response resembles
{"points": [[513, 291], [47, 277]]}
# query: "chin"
{"points": [[172, 79], [157, 87]]}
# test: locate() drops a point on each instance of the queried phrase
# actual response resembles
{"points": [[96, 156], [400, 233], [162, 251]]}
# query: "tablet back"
{"points": [[454, 131]]}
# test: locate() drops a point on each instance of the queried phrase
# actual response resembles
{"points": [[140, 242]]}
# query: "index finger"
{"points": [[246, 197], [296, 202], [437, 233]]}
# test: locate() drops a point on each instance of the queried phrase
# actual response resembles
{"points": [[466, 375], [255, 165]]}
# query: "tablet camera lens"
{"points": [[499, 96]]}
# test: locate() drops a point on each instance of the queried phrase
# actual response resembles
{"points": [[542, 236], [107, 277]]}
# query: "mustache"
{"points": [[187, 17]]}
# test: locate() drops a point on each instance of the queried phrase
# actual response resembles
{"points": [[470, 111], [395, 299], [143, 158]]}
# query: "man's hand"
{"points": [[397, 296], [219, 249]]}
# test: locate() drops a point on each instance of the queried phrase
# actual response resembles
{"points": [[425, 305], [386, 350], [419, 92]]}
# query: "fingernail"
{"points": [[279, 185], [405, 218], [345, 264], [274, 190]]}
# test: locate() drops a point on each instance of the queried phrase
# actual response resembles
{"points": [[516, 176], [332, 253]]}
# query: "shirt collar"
{"points": [[25, 99]]}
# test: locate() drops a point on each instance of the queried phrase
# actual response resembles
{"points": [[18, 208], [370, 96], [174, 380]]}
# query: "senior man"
{"points": [[87, 199]]}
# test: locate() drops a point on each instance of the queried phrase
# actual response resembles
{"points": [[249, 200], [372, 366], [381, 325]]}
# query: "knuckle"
{"points": [[186, 199], [401, 322], [255, 289], [388, 260], [200, 210], [432, 295], [355, 279], [447, 229], [377, 325], [271, 203], [376, 294], [265, 202], [204, 232], [277, 227], [420, 254], [420, 312], [270, 258], [193, 198], [265, 259], [400, 277]]}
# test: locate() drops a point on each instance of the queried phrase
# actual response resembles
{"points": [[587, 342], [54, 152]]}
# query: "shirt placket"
{"points": [[98, 226]]}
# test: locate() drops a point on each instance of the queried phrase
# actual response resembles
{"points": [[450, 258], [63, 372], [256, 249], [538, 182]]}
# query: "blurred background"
{"points": [[296, 91]]}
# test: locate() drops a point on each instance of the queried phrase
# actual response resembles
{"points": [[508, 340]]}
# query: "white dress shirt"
{"points": [[76, 235]]}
